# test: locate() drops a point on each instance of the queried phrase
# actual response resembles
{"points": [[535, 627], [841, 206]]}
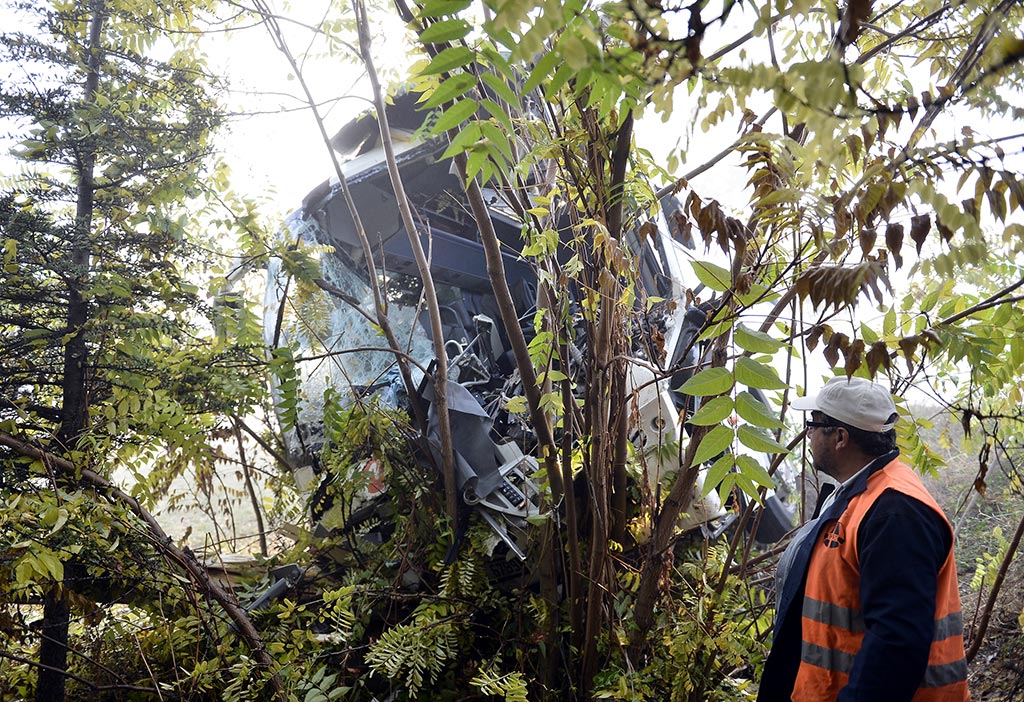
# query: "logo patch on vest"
{"points": [[834, 537]]}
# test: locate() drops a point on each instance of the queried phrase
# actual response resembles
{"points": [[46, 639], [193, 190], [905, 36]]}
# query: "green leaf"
{"points": [[714, 442], [712, 412], [497, 139], [717, 472], [463, 140], [454, 116], [453, 87], [500, 87], [562, 75], [23, 572], [495, 60], [715, 329], [758, 440], [868, 334], [52, 564], [755, 341], [573, 50], [749, 466], [710, 381], [498, 113], [889, 323], [757, 375], [60, 518], [758, 292], [714, 277], [540, 71], [516, 405], [727, 483], [445, 30], [746, 485], [755, 412], [448, 59], [440, 8]]}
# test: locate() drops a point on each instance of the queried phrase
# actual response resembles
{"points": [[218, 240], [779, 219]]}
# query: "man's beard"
{"points": [[824, 467]]}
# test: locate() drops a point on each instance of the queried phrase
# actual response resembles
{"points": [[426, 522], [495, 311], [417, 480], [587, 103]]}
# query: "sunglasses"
{"points": [[809, 424]]}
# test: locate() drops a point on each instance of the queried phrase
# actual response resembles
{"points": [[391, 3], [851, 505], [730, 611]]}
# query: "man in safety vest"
{"points": [[867, 603]]}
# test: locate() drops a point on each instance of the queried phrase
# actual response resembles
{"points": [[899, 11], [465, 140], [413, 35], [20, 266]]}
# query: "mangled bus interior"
{"points": [[346, 359]]}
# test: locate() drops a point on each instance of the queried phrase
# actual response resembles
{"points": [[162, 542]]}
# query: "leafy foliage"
{"points": [[112, 364], [124, 350]]}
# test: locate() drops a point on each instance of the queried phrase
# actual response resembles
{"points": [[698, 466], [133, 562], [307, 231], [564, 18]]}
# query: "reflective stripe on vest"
{"points": [[842, 662], [852, 620], [833, 623]]}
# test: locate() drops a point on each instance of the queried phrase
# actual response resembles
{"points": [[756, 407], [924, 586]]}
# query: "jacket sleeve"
{"points": [[902, 544]]}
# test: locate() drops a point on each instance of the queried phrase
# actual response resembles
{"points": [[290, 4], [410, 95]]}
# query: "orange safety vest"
{"points": [[832, 622]]}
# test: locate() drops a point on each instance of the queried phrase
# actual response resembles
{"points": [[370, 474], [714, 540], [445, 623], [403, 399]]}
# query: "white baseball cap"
{"points": [[854, 401]]}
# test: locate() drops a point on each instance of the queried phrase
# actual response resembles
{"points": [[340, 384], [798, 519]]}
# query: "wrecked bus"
{"points": [[494, 466]]}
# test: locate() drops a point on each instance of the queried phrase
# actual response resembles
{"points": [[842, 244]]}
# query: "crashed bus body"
{"points": [[494, 468]]}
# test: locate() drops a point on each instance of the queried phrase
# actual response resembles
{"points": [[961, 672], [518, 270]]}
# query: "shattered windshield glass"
{"points": [[341, 348]]}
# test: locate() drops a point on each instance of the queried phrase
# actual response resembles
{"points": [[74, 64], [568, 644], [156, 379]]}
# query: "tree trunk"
{"points": [[53, 647]]}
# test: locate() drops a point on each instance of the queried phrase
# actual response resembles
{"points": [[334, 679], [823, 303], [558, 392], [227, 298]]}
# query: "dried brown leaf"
{"points": [[840, 285], [997, 203], [981, 486], [920, 225], [856, 13], [894, 242], [843, 221], [1015, 188], [853, 143], [908, 345], [868, 236], [970, 206], [868, 135], [883, 123], [693, 204], [983, 455], [965, 422], [854, 357], [838, 342], [877, 357], [813, 336]]}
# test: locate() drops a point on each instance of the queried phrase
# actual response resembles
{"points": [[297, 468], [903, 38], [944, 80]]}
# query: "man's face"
{"points": [[823, 450]]}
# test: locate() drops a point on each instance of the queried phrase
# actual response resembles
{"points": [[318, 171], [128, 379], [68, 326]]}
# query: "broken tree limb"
{"points": [[188, 562]]}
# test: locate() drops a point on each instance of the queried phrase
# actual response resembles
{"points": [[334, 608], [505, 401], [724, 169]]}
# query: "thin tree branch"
{"points": [[979, 634], [991, 301], [76, 678], [440, 400], [382, 319]]}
